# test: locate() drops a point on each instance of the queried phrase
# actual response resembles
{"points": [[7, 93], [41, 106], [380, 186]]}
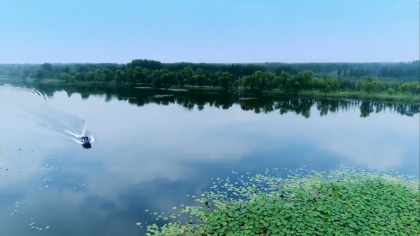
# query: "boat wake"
{"points": [[60, 121], [76, 136], [27, 109]]}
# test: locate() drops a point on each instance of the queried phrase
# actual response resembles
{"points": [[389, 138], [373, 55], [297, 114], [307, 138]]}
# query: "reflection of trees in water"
{"points": [[366, 108], [296, 105], [84, 96], [325, 106], [299, 106], [408, 110]]}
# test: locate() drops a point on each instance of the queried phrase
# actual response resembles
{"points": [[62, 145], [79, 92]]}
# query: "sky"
{"points": [[211, 31]]}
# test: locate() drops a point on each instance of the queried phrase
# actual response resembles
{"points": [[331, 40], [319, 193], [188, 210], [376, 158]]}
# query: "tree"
{"points": [[129, 75], [248, 82], [79, 76], [139, 75], [413, 87], [199, 77], [168, 78], [284, 78], [330, 83], [307, 79], [82, 68], [260, 80], [276, 82], [46, 66], [155, 79], [225, 81], [90, 76], [108, 76], [296, 86], [211, 80], [162, 78], [268, 78], [26, 73], [39, 74], [99, 77], [367, 84], [68, 78], [292, 70], [378, 86], [185, 76], [119, 76]]}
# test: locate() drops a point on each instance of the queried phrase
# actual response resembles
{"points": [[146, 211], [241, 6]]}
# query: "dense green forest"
{"points": [[327, 77]]}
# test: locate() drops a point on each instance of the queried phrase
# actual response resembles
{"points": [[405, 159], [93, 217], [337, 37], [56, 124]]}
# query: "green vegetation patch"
{"points": [[141, 87], [362, 95], [163, 96], [250, 98], [341, 202], [177, 90]]}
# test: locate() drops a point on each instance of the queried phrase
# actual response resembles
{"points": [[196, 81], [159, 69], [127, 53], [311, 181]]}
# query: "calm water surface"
{"points": [[149, 153]]}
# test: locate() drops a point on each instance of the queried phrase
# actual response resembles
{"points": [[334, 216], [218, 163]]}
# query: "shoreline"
{"points": [[374, 96], [384, 97]]}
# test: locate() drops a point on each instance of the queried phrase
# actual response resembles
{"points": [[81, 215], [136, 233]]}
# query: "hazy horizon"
{"points": [[221, 32], [272, 62]]}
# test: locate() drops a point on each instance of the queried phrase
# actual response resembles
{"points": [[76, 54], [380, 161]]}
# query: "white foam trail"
{"points": [[74, 132], [41, 114], [84, 130], [59, 121]]}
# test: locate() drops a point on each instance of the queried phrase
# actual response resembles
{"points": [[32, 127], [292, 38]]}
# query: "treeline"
{"points": [[409, 70], [264, 104], [327, 77]]}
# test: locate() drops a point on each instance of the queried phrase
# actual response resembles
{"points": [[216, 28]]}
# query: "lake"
{"points": [[151, 151]]}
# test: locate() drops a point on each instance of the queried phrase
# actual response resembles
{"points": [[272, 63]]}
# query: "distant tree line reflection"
{"points": [[260, 104]]}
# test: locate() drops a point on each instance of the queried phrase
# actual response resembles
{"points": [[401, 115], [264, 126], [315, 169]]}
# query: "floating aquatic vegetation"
{"points": [[178, 90], [163, 96], [248, 98], [141, 87], [345, 201], [33, 226]]}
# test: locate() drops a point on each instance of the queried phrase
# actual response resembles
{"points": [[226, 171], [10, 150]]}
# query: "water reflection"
{"points": [[300, 106], [87, 146], [152, 151]]}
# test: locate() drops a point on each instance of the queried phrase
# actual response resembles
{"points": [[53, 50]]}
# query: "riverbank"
{"points": [[340, 202], [79, 83], [381, 96]]}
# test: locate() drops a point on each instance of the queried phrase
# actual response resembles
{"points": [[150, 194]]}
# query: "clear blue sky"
{"points": [[209, 30]]}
